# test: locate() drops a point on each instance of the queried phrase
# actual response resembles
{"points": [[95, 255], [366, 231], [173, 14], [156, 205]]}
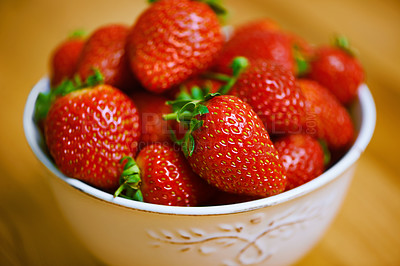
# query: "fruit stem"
{"points": [[343, 43], [217, 76], [325, 149], [238, 65], [130, 180], [45, 100], [301, 63], [78, 34]]}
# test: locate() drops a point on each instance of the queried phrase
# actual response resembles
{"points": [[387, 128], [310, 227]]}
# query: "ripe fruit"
{"points": [[302, 156], [105, 51], [64, 59], [151, 109], [273, 94], [271, 45], [228, 146], [163, 176], [326, 118], [172, 41], [264, 24], [338, 70], [88, 131]]}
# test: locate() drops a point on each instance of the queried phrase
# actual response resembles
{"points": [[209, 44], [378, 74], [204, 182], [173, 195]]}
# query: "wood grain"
{"points": [[365, 232]]}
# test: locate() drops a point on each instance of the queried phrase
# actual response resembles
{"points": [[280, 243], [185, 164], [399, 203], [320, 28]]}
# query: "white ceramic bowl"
{"points": [[273, 231]]}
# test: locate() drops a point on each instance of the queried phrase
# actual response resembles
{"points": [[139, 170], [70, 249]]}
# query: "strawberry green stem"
{"points": [[182, 117], [130, 181], [343, 43], [238, 65], [78, 34], [302, 65], [327, 154], [45, 100], [217, 76]]}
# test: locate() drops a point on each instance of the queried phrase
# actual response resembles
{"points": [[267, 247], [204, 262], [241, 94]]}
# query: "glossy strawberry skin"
{"points": [[89, 131], [233, 150], [64, 60], [264, 24], [273, 94], [167, 178], [302, 157], [105, 50], [326, 117], [172, 41], [151, 109], [271, 45], [338, 71]]}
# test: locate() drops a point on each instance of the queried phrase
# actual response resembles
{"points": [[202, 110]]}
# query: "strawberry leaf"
{"points": [[95, 79], [42, 105], [216, 6], [130, 180], [301, 63], [45, 100], [201, 110], [197, 93], [77, 34], [343, 43], [327, 154]]}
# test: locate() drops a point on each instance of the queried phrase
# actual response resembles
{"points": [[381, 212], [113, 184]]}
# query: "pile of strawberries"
{"points": [[171, 111]]}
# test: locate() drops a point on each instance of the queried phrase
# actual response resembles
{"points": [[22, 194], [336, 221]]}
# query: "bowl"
{"points": [[277, 230]]}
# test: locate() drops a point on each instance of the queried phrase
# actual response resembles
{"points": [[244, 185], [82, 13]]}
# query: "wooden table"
{"points": [[32, 228]]}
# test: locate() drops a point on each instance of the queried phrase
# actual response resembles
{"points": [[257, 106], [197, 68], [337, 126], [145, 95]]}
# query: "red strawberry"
{"points": [[273, 94], [164, 177], [302, 156], [338, 70], [105, 51], [172, 41], [88, 131], [228, 146], [326, 117], [302, 46], [151, 109], [264, 24], [64, 59], [271, 45]]}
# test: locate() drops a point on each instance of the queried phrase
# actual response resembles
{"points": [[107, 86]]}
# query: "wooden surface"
{"points": [[365, 232]]}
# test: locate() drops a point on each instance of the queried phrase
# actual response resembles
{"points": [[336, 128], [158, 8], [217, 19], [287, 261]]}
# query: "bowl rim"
{"points": [[367, 127]]}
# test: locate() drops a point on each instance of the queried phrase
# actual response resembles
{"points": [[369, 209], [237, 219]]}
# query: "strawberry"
{"points": [[64, 58], [257, 43], [161, 175], [172, 41], [89, 130], [302, 156], [336, 68], [264, 24], [228, 146], [272, 92], [105, 51], [326, 118], [151, 109]]}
